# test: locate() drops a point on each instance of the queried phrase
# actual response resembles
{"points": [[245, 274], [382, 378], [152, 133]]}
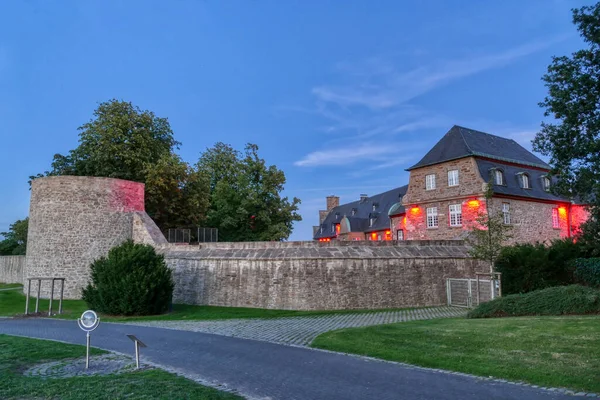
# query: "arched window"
{"points": [[546, 183], [526, 181], [498, 177]]}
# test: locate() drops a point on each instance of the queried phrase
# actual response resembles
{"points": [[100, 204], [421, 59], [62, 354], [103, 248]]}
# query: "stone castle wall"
{"points": [[74, 220], [321, 276], [11, 269]]}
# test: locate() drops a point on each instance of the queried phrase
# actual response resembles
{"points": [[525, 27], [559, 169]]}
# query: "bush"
{"points": [[560, 300], [587, 271], [528, 267], [131, 280]]}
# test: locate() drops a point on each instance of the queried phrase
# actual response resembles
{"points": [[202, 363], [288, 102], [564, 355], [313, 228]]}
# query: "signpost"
{"points": [[88, 322], [138, 344]]}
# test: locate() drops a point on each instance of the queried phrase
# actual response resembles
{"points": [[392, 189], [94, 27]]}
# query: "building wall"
{"points": [[352, 275], [11, 269], [470, 182], [74, 220]]}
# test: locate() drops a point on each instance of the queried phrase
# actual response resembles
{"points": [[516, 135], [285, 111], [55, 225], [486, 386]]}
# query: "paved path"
{"points": [[262, 370], [301, 331]]}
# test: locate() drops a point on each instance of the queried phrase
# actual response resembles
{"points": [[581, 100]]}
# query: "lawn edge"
{"points": [[195, 378]]}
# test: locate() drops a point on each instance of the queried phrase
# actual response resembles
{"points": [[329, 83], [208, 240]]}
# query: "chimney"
{"points": [[332, 202], [363, 197], [322, 216]]}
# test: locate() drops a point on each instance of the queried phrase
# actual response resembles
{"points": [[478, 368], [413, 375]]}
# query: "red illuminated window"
{"points": [[555, 219]]}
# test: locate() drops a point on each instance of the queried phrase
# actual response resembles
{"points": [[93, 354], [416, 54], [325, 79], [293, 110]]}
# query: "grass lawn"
{"points": [[10, 285], [546, 351], [12, 302], [17, 353]]}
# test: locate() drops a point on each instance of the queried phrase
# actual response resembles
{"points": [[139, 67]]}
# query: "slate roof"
{"points": [[359, 222], [460, 142], [513, 186]]}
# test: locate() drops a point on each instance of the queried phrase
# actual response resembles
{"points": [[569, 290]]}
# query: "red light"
{"points": [[414, 209], [562, 211], [374, 236], [404, 220]]}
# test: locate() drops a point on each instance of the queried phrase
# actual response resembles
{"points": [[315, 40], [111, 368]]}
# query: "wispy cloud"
{"points": [[344, 155], [382, 86]]}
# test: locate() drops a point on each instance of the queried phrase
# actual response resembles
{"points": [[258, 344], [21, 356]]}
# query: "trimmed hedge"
{"points": [[559, 300], [587, 271], [527, 267], [131, 280]]}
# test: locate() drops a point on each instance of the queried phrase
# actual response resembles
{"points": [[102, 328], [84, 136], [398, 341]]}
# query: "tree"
{"points": [[15, 240], [573, 139], [245, 195], [489, 234], [123, 141]]}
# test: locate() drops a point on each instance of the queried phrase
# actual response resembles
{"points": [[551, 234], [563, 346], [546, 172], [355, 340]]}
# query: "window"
{"points": [[430, 182], [432, 217], [546, 183], [453, 177], [455, 215], [375, 205], [353, 212], [371, 221], [399, 234], [555, 220], [525, 181], [498, 177], [506, 213], [332, 228]]}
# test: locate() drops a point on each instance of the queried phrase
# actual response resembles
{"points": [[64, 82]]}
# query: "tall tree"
{"points": [[123, 141], [572, 140], [246, 202], [15, 240]]}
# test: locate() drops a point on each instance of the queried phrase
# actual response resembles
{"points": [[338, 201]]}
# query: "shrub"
{"points": [[559, 300], [528, 267], [131, 280], [587, 271]]}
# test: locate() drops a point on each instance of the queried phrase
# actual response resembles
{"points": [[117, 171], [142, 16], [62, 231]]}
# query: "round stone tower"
{"points": [[74, 220]]}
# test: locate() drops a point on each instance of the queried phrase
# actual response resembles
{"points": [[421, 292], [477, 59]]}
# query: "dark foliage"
{"points": [[560, 300], [131, 280], [528, 267], [587, 271]]}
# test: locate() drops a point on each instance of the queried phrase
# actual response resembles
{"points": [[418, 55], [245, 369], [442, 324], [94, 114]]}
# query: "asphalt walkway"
{"points": [[262, 370]]}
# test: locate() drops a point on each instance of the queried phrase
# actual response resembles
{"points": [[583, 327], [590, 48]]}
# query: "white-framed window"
{"points": [[430, 182], [453, 177], [399, 234], [455, 211], [371, 221], [525, 181], [555, 220], [432, 217], [506, 213], [498, 177], [546, 183]]}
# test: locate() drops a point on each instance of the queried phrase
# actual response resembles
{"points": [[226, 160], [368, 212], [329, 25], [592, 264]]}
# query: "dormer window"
{"points": [[546, 183], [375, 205], [371, 221], [525, 181], [353, 212], [498, 177], [337, 215]]}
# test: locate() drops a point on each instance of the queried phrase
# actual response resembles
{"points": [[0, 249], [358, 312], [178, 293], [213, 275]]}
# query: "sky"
{"points": [[343, 96]]}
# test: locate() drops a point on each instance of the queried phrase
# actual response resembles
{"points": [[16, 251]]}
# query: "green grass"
{"points": [[12, 302], [10, 285], [546, 351], [558, 300], [16, 354]]}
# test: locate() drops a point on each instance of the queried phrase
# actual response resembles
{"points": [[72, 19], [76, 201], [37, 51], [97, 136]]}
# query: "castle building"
{"points": [[446, 193]]}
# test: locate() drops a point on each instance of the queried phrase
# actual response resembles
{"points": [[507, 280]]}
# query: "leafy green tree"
{"points": [[489, 234], [572, 140], [245, 195], [123, 141], [15, 240]]}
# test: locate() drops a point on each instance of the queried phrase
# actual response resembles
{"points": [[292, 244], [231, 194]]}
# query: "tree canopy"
{"points": [[245, 197], [572, 139], [15, 240]]}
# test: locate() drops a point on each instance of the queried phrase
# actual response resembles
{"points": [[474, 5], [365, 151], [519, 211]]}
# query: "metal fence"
{"points": [[470, 293], [196, 235]]}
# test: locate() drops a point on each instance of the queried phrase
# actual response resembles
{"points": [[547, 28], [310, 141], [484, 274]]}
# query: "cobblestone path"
{"points": [[302, 331]]}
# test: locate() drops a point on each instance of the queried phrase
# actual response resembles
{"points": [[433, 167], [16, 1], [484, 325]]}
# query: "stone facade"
{"points": [[75, 220], [320, 276], [11, 269]]}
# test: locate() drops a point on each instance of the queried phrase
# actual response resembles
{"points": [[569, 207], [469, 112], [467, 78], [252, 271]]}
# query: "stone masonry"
{"points": [[74, 220]]}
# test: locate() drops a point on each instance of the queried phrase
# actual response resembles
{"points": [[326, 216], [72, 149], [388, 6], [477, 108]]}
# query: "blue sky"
{"points": [[341, 95]]}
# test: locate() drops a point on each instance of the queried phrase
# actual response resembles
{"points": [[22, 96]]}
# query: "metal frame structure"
{"points": [[37, 300]]}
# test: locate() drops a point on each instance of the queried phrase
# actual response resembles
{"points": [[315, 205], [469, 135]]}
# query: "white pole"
{"points": [[87, 351], [137, 355]]}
